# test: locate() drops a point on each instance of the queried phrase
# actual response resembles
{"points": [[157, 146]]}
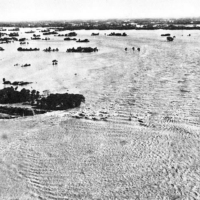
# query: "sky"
{"points": [[34, 10]]}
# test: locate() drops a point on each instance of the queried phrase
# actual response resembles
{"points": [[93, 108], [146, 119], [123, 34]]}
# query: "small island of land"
{"points": [[85, 40], [68, 39], [26, 49], [117, 34], [82, 50]]}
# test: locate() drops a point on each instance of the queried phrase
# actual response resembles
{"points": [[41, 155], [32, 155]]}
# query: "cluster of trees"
{"points": [[167, 34], [51, 102], [68, 39], [21, 83], [117, 34], [46, 38], [35, 37], [2, 34], [60, 101], [170, 39], [10, 95], [50, 33], [22, 39], [85, 40], [50, 49], [14, 34], [94, 34], [25, 49], [24, 43], [61, 35], [14, 29], [71, 34], [26, 65], [8, 39], [83, 49], [30, 32], [45, 31]]}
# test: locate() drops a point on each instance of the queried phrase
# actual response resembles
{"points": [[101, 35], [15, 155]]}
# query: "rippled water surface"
{"points": [[161, 82], [149, 146]]}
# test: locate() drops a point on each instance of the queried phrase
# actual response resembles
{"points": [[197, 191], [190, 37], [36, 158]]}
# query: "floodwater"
{"points": [[155, 155], [162, 81]]}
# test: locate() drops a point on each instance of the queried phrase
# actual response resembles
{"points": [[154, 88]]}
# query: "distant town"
{"points": [[113, 24]]}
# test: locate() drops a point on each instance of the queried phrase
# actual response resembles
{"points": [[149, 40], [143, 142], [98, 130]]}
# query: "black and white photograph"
{"points": [[99, 99]]}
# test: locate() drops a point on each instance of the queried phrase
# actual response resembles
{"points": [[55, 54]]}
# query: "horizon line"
{"points": [[89, 19]]}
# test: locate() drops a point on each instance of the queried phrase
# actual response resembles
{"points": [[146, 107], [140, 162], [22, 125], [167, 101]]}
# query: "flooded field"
{"points": [[149, 146], [162, 80]]}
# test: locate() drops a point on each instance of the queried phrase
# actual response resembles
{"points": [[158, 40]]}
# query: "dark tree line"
{"points": [[52, 102], [83, 49], [26, 49], [10, 95], [60, 101]]}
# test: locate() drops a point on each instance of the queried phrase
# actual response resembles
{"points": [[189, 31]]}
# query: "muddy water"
{"points": [[159, 82], [48, 157]]}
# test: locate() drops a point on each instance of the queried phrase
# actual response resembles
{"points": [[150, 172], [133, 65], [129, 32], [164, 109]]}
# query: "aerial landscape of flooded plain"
{"points": [[156, 81], [136, 135]]}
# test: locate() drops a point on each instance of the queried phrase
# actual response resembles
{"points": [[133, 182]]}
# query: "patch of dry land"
{"points": [[147, 147]]}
